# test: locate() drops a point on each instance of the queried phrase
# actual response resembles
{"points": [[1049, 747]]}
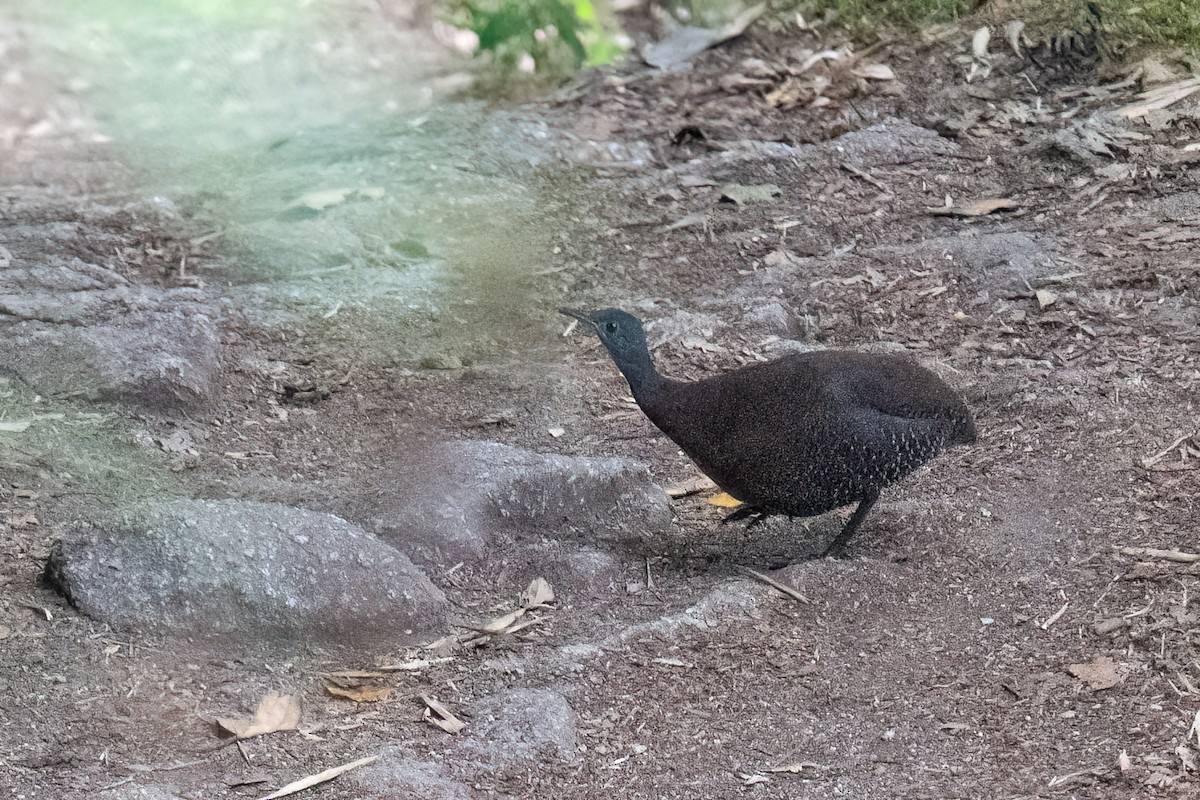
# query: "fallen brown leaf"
{"points": [[276, 712], [1101, 673], [977, 209]]}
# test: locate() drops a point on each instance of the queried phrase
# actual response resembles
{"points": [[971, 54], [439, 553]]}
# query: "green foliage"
{"points": [[560, 35]]}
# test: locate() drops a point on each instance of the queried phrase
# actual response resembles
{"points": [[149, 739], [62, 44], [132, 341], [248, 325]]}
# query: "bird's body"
{"points": [[799, 436]]}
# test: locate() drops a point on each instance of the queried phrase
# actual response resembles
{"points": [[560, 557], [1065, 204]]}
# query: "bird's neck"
{"points": [[644, 380]]}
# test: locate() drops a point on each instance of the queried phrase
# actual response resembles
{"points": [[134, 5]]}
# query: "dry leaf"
{"points": [[693, 342], [415, 664], [276, 712], [353, 674], [322, 198], [1102, 673], [437, 714], [745, 195], [876, 72], [1013, 30], [977, 209], [500, 623], [724, 500], [1045, 298], [979, 43], [689, 487], [1159, 98], [537, 594], [672, 662], [360, 694]]}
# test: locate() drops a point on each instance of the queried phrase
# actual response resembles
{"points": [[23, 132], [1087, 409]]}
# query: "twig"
{"points": [[853, 170], [1149, 462], [1055, 617], [783, 587], [320, 777], [1169, 555]]}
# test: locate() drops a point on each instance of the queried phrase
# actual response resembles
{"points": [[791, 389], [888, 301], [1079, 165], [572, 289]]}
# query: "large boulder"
{"points": [[69, 327], [448, 502], [259, 572]]}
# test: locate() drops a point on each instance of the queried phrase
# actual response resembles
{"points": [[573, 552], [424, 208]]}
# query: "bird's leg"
{"points": [[860, 513]]}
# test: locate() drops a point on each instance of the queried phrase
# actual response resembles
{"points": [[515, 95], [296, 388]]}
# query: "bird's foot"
{"points": [[754, 513]]}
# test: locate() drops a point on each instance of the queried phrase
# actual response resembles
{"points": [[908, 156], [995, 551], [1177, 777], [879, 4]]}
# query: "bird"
{"points": [[799, 436]]}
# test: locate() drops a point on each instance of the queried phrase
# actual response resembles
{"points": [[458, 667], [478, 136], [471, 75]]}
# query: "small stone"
{"points": [[441, 361]]}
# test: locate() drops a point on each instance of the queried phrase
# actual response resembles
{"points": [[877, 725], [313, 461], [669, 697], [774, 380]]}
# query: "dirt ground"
{"points": [[991, 634]]}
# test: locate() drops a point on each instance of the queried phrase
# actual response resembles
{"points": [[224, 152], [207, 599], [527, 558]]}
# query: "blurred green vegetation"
{"points": [[558, 35]]}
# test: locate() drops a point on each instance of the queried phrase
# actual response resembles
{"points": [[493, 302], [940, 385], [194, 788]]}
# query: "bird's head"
{"points": [[619, 331]]}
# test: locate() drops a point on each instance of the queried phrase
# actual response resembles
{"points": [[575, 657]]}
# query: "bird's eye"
{"points": [[611, 327]]}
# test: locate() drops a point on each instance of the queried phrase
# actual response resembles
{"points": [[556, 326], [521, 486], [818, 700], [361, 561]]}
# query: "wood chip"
{"points": [[440, 716]]}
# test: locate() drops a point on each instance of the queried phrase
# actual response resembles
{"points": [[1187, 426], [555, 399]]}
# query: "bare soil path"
{"points": [[1004, 625]]}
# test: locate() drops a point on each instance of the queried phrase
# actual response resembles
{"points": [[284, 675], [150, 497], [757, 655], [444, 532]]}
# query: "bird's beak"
{"points": [[582, 316]]}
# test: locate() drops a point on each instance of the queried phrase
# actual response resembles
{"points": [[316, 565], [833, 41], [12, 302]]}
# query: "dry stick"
{"points": [[1055, 617], [1169, 555], [783, 587], [320, 777], [1166, 451]]}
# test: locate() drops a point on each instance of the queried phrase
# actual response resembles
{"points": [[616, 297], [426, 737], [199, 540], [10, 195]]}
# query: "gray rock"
{"points": [[68, 327], [397, 774], [448, 502], [894, 141], [258, 572], [521, 725]]}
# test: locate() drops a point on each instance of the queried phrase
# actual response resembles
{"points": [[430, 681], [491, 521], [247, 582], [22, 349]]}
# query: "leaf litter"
{"points": [[275, 712]]}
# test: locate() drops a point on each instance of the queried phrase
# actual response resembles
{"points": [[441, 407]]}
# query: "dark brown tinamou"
{"points": [[802, 435]]}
